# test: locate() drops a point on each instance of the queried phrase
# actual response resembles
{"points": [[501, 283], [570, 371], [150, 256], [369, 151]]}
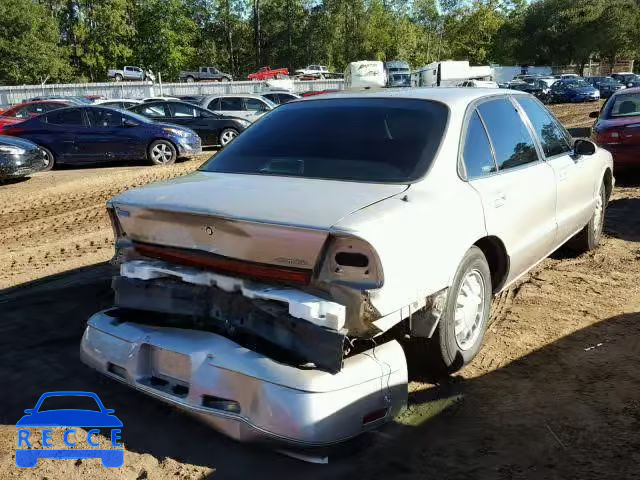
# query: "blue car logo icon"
{"points": [[68, 418]]}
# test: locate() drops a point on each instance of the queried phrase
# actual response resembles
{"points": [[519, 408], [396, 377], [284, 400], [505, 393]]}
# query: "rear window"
{"points": [[625, 106], [358, 139]]}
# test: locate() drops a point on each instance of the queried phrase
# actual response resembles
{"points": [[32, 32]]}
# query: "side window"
{"points": [[230, 104], [255, 105], [68, 116], [551, 134], [214, 104], [182, 110], [477, 156], [104, 118], [153, 111], [510, 137]]}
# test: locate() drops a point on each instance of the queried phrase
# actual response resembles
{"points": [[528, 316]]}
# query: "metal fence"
{"points": [[13, 95]]}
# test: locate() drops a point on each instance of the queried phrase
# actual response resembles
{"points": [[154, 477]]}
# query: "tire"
{"points": [[162, 152], [190, 79], [118, 77], [49, 159], [589, 237], [224, 79], [227, 135], [449, 350]]}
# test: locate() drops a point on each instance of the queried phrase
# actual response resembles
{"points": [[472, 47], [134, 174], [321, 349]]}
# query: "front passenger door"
{"points": [[516, 188], [574, 176]]}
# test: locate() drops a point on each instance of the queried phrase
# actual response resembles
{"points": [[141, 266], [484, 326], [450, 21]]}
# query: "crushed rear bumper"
{"points": [[246, 395]]}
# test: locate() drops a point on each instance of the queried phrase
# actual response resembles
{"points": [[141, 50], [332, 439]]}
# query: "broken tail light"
{"points": [[353, 262], [609, 136]]}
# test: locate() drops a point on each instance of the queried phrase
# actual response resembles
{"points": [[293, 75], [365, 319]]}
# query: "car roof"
{"points": [[626, 91], [454, 97], [247, 95]]}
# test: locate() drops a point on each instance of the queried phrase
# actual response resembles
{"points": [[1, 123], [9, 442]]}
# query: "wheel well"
{"points": [[608, 183], [497, 258]]}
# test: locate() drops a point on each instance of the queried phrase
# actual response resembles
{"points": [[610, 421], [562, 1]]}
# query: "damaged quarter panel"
{"points": [[420, 236]]}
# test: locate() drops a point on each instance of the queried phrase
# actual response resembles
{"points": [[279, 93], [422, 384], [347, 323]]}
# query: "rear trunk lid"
{"points": [[262, 219]]}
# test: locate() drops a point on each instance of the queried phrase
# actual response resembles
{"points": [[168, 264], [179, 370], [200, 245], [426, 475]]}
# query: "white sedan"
{"points": [[413, 207], [283, 260]]}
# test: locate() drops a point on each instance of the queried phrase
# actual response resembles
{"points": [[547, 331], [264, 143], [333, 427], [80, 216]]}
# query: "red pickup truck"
{"points": [[266, 73]]}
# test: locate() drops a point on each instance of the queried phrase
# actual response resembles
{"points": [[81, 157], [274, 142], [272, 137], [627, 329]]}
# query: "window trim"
{"points": [[563, 130], [473, 106]]}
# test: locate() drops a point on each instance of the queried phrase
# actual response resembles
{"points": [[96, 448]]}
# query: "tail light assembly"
{"points": [[352, 262]]}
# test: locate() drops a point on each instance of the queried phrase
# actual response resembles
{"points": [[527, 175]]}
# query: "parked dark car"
{"points": [[535, 87], [80, 135], [212, 128], [280, 97], [573, 90], [20, 113], [19, 157], [618, 127], [195, 99], [63, 98], [607, 85], [629, 80]]}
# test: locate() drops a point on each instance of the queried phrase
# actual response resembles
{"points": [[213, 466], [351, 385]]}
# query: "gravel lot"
{"points": [[555, 393]]}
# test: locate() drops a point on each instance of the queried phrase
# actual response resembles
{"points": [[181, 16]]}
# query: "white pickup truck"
{"points": [[130, 73]]}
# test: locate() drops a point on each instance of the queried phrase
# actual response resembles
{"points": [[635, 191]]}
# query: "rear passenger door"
{"points": [[574, 176], [516, 187], [231, 106]]}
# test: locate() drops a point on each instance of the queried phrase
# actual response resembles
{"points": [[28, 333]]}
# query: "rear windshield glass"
{"points": [[360, 139], [625, 105]]}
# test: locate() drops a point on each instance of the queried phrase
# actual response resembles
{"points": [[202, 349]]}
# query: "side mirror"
{"points": [[593, 115], [128, 123], [584, 147]]}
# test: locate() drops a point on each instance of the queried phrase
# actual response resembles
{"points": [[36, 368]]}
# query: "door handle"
{"points": [[499, 200]]}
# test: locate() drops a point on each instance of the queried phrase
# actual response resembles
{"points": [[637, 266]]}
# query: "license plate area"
{"points": [[165, 371]]}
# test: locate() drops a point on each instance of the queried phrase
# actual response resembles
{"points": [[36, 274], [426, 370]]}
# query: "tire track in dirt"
{"points": [[56, 221]]}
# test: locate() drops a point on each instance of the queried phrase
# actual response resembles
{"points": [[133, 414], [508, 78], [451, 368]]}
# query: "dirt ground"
{"points": [[554, 394]]}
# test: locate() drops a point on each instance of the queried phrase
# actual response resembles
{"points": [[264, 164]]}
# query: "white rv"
{"points": [[365, 74], [449, 74]]}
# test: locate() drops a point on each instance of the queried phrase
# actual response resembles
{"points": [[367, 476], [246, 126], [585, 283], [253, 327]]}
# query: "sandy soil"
{"points": [[554, 394]]}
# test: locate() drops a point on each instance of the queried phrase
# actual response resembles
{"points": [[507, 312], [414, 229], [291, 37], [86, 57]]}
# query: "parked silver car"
{"points": [[327, 224], [242, 105]]}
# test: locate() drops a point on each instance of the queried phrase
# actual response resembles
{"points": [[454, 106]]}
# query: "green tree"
{"points": [[165, 36], [29, 50]]}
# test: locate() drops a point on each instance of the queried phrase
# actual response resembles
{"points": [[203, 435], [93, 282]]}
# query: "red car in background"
{"points": [[24, 111], [618, 127], [319, 92], [266, 73]]}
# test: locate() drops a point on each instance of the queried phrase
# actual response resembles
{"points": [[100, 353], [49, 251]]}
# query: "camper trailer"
{"points": [[449, 74], [365, 74]]}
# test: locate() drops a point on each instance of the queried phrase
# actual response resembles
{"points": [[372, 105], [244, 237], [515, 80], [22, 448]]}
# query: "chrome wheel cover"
{"points": [[469, 310]]}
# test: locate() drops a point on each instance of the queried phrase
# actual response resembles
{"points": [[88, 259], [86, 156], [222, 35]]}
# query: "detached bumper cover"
{"points": [[243, 394], [12, 165]]}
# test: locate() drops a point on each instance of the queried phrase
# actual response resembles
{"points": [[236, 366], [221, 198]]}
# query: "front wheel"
{"points": [[162, 152], [589, 237], [465, 317], [118, 77], [48, 159], [227, 135], [190, 79], [225, 79]]}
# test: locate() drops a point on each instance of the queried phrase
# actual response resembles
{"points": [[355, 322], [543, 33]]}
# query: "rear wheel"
{"points": [[464, 320], [589, 237], [225, 79], [227, 135], [162, 152], [118, 77], [190, 79], [48, 158]]}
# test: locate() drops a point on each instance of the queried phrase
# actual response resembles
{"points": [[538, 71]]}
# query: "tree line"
{"points": [[78, 40]]}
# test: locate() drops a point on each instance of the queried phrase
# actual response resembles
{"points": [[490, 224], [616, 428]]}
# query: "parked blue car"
{"points": [[607, 85], [84, 134], [573, 90]]}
